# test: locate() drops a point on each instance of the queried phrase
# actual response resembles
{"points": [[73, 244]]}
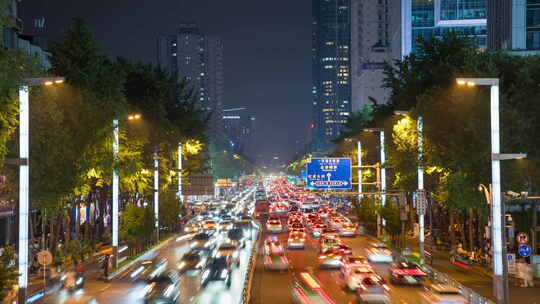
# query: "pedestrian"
{"points": [[528, 276], [106, 267], [520, 273]]}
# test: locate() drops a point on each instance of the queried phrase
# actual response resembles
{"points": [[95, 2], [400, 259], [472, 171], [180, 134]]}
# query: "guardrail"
{"points": [[437, 276], [246, 291]]}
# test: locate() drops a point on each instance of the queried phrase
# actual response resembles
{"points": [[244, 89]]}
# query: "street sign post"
{"points": [[524, 250], [329, 173], [522, 238]]}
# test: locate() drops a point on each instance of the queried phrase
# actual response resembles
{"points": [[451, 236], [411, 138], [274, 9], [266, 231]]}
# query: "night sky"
{"points": [[267, 51]]}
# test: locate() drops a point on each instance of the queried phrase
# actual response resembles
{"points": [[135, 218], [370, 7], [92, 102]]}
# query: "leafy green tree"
{"points": [[137, 225], [367, 212], [169, 210], [8, 271]]}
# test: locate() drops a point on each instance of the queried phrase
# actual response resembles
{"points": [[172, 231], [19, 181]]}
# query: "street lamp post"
{"points": [[500, 280], [179, 194], [115, 187], [359, 155], [156, 193], [24, 175], [420, 198], [383, 171]]}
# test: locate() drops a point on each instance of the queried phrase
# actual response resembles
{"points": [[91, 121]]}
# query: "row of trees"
{"points": [[456, 132], [71, 143]]}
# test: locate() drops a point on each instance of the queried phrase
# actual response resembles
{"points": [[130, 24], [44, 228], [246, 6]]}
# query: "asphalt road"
{"points": [[274, 287], [123, 289]]}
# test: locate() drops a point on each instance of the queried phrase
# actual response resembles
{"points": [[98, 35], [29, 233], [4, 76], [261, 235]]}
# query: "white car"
{"points": [[379, 253], [225, 225], [274, 225], [230, 251], [296, 239], [347, 229], [355, 276], [374, 295], [442, 294], [272, 246]]}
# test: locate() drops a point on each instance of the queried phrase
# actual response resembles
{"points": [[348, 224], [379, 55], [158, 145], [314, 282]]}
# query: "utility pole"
{"points": [[359, 147], [156, 193]]}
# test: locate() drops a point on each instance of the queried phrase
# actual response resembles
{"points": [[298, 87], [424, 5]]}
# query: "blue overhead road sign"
{"points": [[329, 173]]}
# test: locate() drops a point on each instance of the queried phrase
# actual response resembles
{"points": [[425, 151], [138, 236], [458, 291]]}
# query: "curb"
{"points": [[141, 257]]}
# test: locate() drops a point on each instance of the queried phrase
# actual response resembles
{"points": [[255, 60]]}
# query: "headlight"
{"points": [[224, 273]]}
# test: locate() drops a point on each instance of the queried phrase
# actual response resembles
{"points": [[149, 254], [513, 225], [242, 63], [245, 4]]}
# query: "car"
{"points": [[203, 241], [229, 251], [297, 227], [306, 289], [296, 239], [162, 289], [273, 225], [353, 261], [373, 295], [244, 220], [330, 259], [442, 293], [193, 262], [192, 227], [379, 253], [343, 249], [347, 229], [363, 277], [276, 261], [147, 270], [317, 229], [209, 225], [225, 225], [406, 273], [326, 242], [238, 236], [219, 270], [272, 245]]}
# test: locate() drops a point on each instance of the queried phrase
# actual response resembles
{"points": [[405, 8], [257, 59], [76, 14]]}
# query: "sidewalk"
{"points": [[479, 278]]}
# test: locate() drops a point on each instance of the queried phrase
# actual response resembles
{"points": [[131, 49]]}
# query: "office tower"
{"points": [[375, 39], [239, 128], [514, 26], [331, 67], [194, 56], [432, 18]]}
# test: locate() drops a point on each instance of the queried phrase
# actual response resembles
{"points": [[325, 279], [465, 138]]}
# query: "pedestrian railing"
{"points": [[472, 296]]}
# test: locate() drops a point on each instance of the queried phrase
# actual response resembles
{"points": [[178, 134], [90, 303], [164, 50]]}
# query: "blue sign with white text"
{"points": [[329, 173], [524, 250]]}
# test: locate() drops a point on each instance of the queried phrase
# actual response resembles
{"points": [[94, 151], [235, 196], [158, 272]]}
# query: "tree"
{"points": [[137, 225], [8, 271], [169, 210]]}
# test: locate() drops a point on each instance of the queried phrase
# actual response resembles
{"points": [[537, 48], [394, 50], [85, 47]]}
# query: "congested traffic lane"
{"points": [[125, 288], [274, 287]]}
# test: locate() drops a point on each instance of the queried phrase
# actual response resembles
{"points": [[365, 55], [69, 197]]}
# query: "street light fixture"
{"points": [[383, 169], [24, 175], [500, 280], [115, 187], [420, 143]]}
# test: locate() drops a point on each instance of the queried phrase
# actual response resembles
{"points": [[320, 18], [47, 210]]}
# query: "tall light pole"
{"points": [[359, 155], [420, 198], [115, 186], [156, 193], [24, 175], [500, 280], [179, 194], [383, 169]]}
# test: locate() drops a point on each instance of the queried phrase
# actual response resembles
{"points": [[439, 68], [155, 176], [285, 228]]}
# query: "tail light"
{"points": [[268, 260], [386, 287], [322, 257], [284, 260]]}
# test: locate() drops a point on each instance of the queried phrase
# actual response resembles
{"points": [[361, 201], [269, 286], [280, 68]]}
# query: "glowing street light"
{"points": [[499, 278], [115, 186], [24, 175]]}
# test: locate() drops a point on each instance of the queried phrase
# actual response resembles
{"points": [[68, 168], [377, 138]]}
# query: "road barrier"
{"points": [[246, 291]]}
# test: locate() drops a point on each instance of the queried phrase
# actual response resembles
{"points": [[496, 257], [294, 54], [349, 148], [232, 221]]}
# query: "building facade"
{"points": [[375, 40], [198, 58], [432, 18], [514, 25], [239, 128], [331, 66]]}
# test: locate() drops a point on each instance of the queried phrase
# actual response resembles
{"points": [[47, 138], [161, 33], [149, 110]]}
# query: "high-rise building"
{"points": [[375, 39], [239, 127], [432, 18], [514, 26], [331, 66], [194, 56]]}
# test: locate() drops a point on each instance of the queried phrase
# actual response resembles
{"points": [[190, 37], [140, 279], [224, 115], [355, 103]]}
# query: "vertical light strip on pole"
{"points": [[156, 192], [359, 147], [420, 132], [24, 184], [383, 174], [115, 193], [180, 172], [496, 192]]}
